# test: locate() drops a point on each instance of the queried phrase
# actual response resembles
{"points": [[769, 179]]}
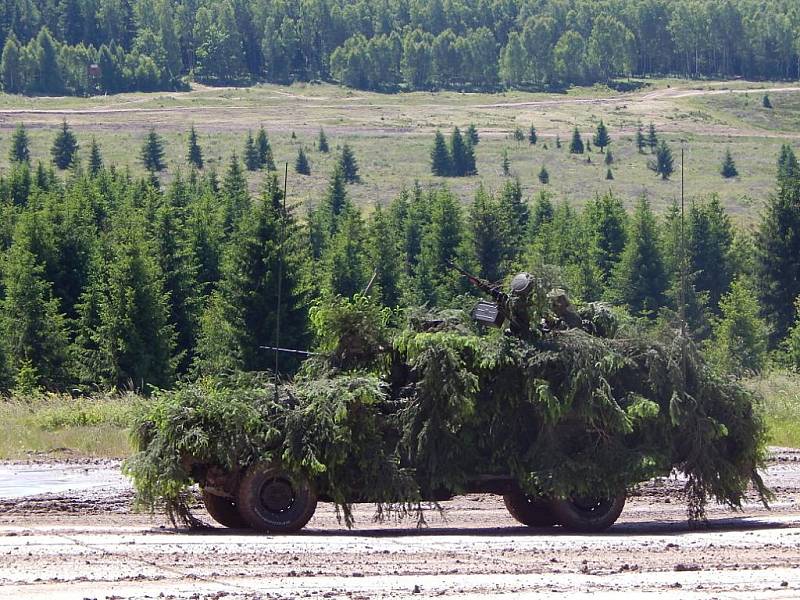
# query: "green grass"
{"points": [[781, 392], [59, 425], [392, 135]]}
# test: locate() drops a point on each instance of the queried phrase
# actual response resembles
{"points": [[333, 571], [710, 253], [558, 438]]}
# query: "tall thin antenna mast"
{"points": [[280, 279], [683, 274]]}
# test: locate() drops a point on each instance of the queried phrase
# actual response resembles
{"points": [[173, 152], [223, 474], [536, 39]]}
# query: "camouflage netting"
{"points": [[394, 416]]}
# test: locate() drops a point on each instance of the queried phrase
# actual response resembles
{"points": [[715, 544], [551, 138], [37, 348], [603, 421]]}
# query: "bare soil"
{"points": [[90, 544]]}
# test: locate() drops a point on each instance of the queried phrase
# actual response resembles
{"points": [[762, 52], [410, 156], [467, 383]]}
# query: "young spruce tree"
{"points": [[194, 155], [265, 158], [728, 169], [349, 165], [322, 142], [242, 312], [95, 158], [19, 151], [301, 164], [639, 279], [778, 258], [441, 161], [663, 163], [601, 137], [152, 153], [576, 144], [251, 158], [64, 148]]}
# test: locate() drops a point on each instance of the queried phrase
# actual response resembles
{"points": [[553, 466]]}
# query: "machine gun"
{"points": [[491, 313]]}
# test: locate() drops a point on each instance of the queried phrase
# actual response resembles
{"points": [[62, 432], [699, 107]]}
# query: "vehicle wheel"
{"points": [[273, 501], [529, 510], [588, 514], [223, 510]]}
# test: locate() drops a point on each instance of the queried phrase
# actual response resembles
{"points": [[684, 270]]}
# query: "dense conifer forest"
{"points": [[108, 280], [108, 46]]}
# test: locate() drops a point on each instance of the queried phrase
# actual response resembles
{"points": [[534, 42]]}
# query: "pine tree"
{"points": [[152, 153], [515, 221], [765, 102], [194, 155], [576, 144], [462, 155], [64, 148], [34, 330], [95, 158], [788, 167], [384, 257], [639, 279], [349, 166], [778, 258], [609, 157], [519, 135], [322, 142], [441, 161], [345, 258], [601, 137], [558, 141], [652, 138], [251, 158], [663, 163], [265, 158], [19, 151], [710, 236], [607, 220], [235, 195], [241, 315], [488, 236], [792, 343], [180, 271], [336, 199], [542, 213], [728, 169], [740, 336], [641, 142], [544, 176], [506, 163], [609, 174], [472, 135], [130, 340], [301, 164], [442, 241], [532, 136]]}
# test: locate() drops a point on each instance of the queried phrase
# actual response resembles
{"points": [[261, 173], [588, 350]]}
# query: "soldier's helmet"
{"points": [[522, 284]]}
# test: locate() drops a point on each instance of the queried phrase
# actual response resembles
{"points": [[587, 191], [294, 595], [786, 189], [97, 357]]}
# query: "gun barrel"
{"points": [[479, 283]]}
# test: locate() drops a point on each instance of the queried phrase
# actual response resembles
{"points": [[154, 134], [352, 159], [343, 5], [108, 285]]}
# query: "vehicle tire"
{"points": [[272, 501], [588, 514], [529, 510], [224, 511]]}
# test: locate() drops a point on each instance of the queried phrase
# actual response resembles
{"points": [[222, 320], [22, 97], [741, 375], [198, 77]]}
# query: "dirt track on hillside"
{"points": [[90, 545]]}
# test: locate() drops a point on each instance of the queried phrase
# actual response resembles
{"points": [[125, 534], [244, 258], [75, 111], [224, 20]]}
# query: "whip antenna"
{"points": [[683, 276], [281, 241]]}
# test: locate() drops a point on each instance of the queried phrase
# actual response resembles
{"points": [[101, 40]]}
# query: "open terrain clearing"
{"points": [[392, 134], [87, 544]]}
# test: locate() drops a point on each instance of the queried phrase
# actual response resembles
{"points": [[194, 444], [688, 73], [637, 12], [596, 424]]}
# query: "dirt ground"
{"points": [[91, 545]]}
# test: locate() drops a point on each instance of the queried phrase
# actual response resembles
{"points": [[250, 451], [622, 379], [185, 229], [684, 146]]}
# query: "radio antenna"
{"points": [[683, 274], [278, 303]]}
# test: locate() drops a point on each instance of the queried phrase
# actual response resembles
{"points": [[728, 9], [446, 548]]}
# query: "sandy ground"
{"points": [[89, 544]]}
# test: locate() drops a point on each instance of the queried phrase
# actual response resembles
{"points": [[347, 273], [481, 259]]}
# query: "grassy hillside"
{"points": [[392, 134]]}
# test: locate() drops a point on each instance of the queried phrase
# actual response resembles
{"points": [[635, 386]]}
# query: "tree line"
{"points": [[48, 46], [112, 281]]}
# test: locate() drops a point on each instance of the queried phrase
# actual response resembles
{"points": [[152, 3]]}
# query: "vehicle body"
{"points": [[267, 497]]}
